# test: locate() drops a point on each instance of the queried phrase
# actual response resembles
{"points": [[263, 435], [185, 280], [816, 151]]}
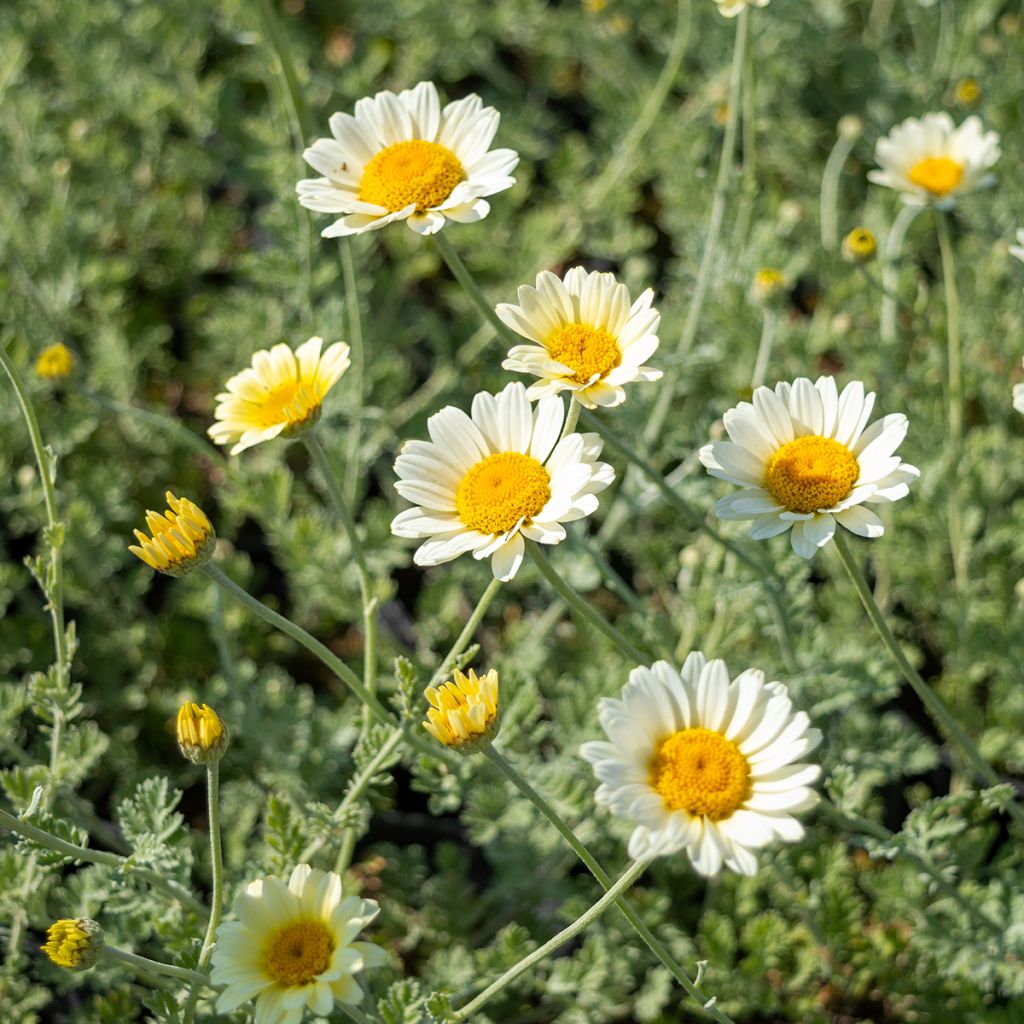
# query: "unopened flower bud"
{"points": [[769, 287], [859, 246], [202, 735], [76, 944], [55, 362]]}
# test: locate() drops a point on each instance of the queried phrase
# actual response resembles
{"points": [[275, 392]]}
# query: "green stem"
{"points": [[582, 609], [464, 638], [217, 895], [273, 31], [572, 417], [113, 860], [893, 245], [461, 274], [318, 650], [931, 700], [341, 507], [358, 369], [143, 963], [829, 208], [764, 349], [612, 895], [605, 881]]}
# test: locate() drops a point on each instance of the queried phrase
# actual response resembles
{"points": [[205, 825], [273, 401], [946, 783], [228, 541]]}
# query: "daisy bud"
{"points": [[464, 713], [55, 362], [769, 287], [75, 944], [850, 127], [202, 735], [182, 538], [859, 246], [967, 92]]}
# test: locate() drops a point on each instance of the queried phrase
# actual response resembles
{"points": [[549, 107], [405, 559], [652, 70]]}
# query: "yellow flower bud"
{"points": [[859, 246], [769, 287], [464, 713], [75, 944], [202, 735], [55, 362], [967, 92], [182, 538]]}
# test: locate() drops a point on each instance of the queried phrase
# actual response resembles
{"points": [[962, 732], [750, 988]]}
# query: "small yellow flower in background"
{"points": [[769, 287], [805, 459], [182, 538], [280, 394], [74, 943], [859, 246], [293, 947], [967, 92], [463, 713], [587, 337], [931, 161], [55, 362], [404, 158], [701, 763], [730, 8], [202, 735]]}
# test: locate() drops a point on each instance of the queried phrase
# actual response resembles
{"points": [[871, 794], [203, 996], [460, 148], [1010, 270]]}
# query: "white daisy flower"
{"points": [[482, 484], [730, 8], [931, 161], [1018, 250], [700, 763], [281, 393], [587, 337], [805, 461], [404, 158], [292, 947]]}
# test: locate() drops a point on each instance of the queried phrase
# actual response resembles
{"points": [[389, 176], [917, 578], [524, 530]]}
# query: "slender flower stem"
{"points": [[893, 245], [464, 638], [272, 28], [931, 700], [764, 348], [461, 274], [334, 489], [829, 208], [358, 371], [605, 881], [318, 650], [863, 826], [583, 610], [612, 895], [143, 963], [572, 417], [113, 860], [217, 895]]}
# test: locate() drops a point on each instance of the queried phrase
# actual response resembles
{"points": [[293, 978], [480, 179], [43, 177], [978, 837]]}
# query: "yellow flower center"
{"points": [[811, 473], [702, 773], [937, 174], [417, 172], [299, 953], [294, 402], [501, 490], [588, 351]]}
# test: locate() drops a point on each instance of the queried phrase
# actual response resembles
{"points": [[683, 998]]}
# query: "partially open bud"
{"points": [[202, 735], [55, 362], [74, 944], [859, 246], [769, 287], [464, 713], [182, 538], [967, 92]]}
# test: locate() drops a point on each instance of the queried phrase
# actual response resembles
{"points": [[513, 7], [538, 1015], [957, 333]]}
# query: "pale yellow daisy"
{"points": [[281, 393]]}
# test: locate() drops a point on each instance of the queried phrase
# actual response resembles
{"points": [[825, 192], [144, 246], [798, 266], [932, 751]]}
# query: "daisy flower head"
{"points": [[181, 539], [586, 336], [485, 482], [805, 460], [404, 158], [932, 161], [704, 764], [293, 947], [281, 393], [730, 8]]}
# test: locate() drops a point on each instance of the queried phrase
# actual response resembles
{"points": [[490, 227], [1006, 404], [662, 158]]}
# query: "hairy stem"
{"points": [[764, 348], [893, 245], [143, 963], [462, 274], [464, 638]]}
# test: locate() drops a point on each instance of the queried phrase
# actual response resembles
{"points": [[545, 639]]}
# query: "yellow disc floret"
{"points": [[298, 953], [420, 172], [701, 772], [182, 538], [202, 735], [501, 491], [464, 712], [74, 944], [590, 352], [938, 175], [811, 474], [55, 362]]}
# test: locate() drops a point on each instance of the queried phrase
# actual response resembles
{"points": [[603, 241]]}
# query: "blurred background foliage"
{"points": [[149, 221]]}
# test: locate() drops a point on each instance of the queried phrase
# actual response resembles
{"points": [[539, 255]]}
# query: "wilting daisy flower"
{"points": [[702, 764], [404, 158], [482, 484], [1018, 250], [730, 8], [292, 947], [587, 337], [805, 461], [280, 394], [930, 160]]}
